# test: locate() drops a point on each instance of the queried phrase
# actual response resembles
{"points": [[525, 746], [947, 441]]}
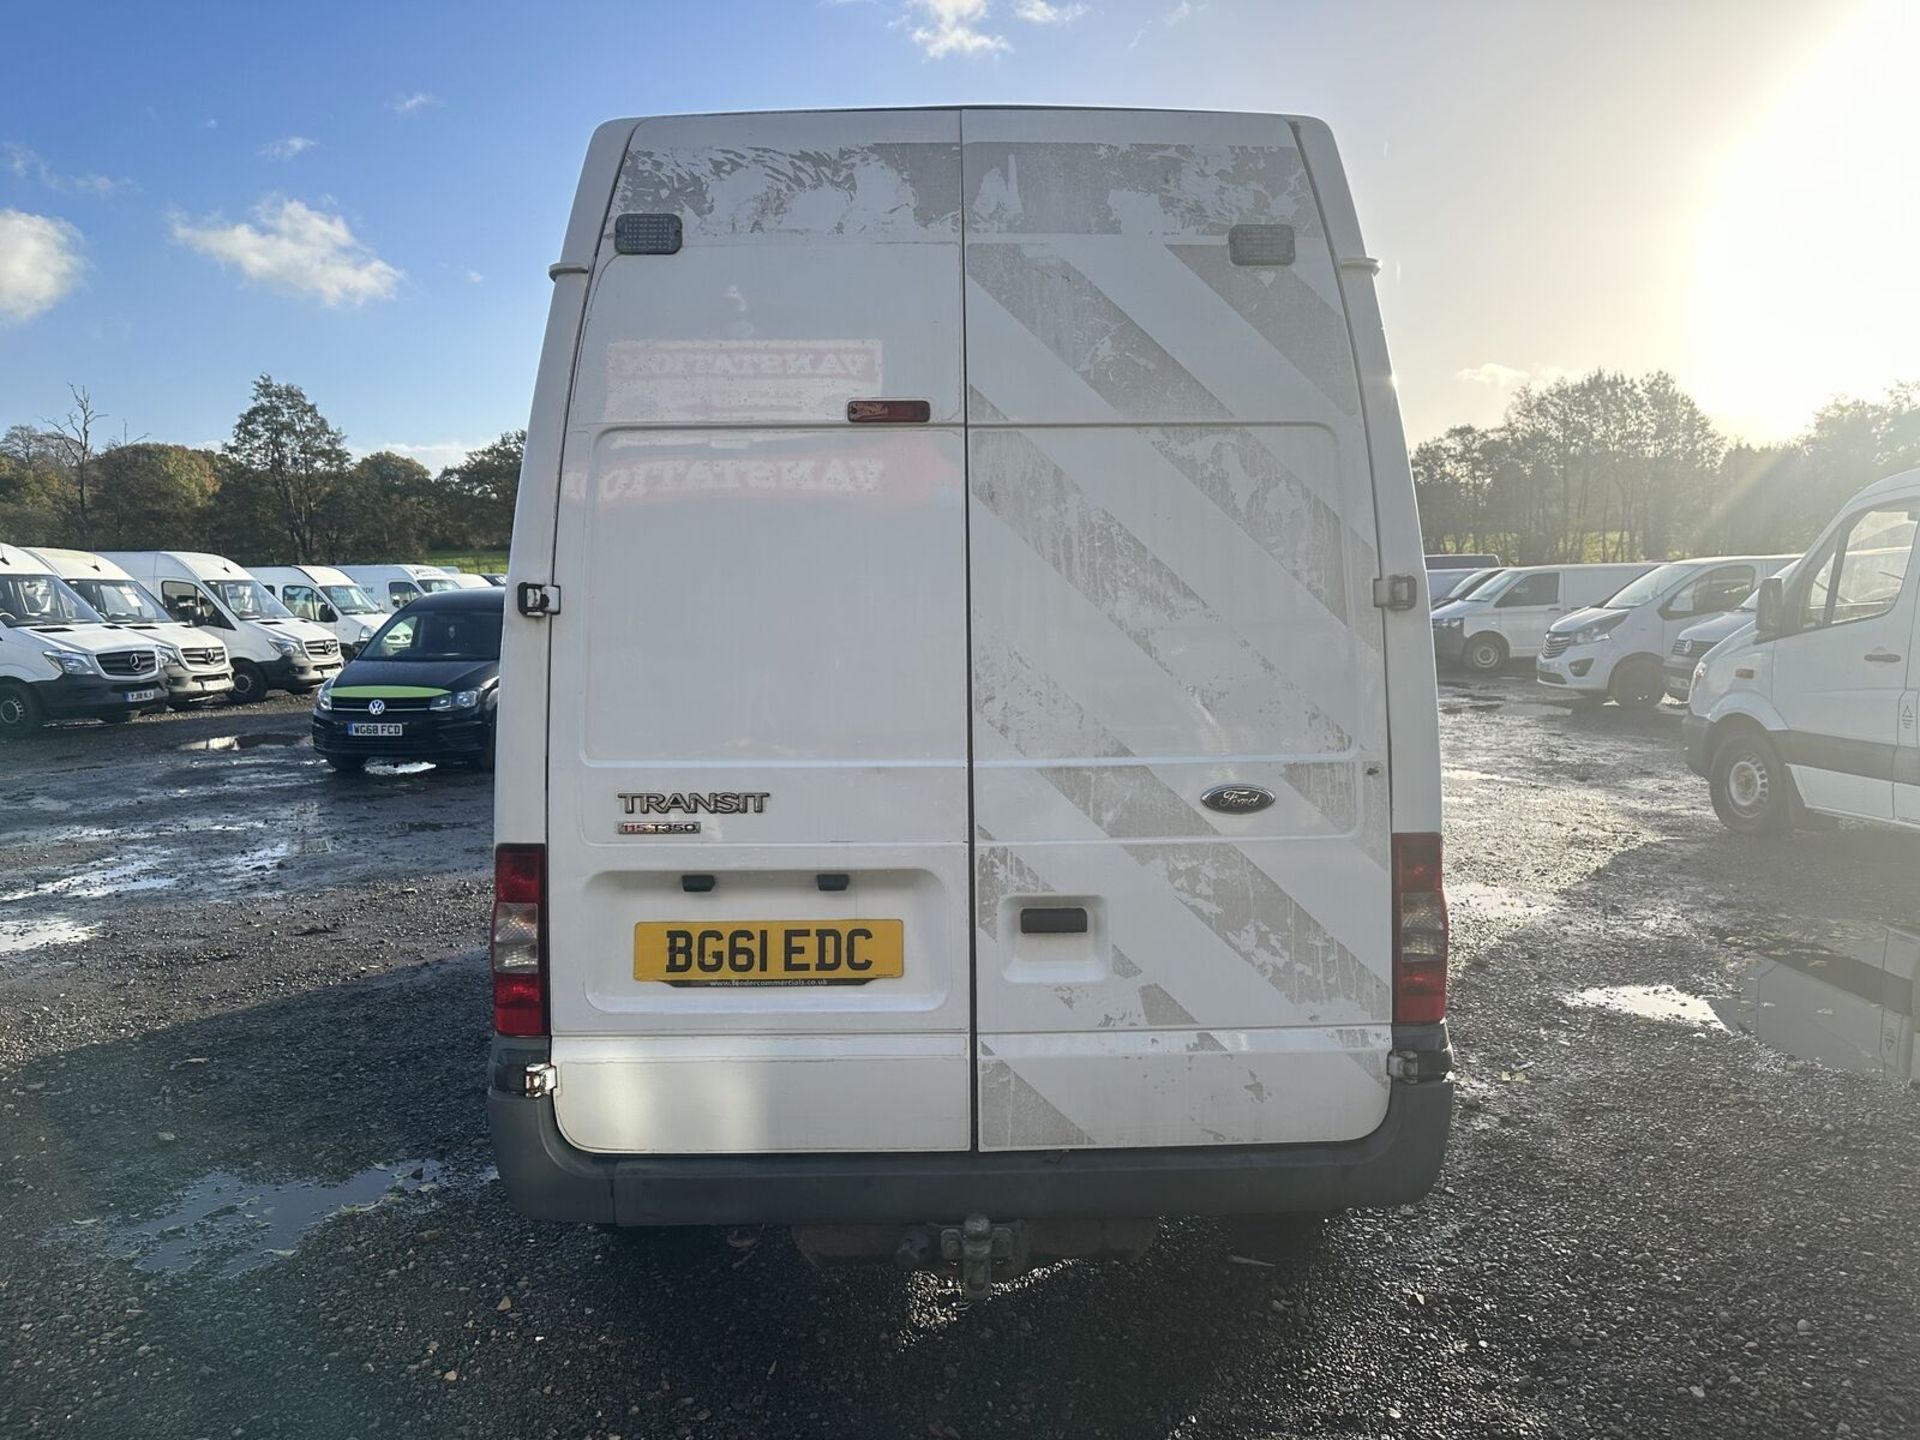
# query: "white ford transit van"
{"points": [[1614, 650], [1507, 618], [271, 650], [1815, 705], [59, 660], [398, 586], [325, 597], [195, 661], [968, 755]]}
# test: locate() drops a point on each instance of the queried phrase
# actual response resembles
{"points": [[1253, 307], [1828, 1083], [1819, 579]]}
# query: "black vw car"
{"points": [[422, 689]]}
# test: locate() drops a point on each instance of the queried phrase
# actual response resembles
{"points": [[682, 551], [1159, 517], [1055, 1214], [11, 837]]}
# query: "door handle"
{"points": [[1882, 657]]}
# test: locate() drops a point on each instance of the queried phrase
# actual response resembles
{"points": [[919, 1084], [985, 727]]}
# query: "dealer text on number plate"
{"points": [[774, 952]]}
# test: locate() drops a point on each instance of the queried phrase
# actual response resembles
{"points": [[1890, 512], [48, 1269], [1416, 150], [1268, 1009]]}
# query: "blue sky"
{"points": [[363, 198]]}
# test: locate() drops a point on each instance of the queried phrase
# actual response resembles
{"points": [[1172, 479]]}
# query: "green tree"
{"points": [[386, 507], [36, 491], [484, 487], [150, 493], [287, 452]]}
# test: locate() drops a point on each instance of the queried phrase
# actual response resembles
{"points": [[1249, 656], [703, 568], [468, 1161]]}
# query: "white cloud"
{"points": [[295, 247], [39, 263], [26, 164], [1510, 377], [474, 277], [436, 455], [1050, 12], [418, 100], [1184, 10], [953, 27], [287, 147]]}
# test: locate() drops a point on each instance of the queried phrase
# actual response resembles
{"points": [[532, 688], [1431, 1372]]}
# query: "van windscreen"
{"points": [[1647, 587]]}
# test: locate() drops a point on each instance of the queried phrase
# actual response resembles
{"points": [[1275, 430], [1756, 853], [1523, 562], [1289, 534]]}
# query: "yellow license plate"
{"points": [[769, 952]]}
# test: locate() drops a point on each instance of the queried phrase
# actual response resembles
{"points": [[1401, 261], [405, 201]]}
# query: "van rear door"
{"points": [[1172, 542], [758, 785]]}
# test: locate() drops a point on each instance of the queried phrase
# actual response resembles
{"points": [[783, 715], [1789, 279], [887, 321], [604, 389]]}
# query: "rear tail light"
{"points": [[1419, 932], [519, 940]]}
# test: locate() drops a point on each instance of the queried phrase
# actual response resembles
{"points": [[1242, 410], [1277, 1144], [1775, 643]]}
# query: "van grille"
{"points": [[395, 705], [323, 649], [1556, 645], [1687, 649], [128, 662], [214, 655]]}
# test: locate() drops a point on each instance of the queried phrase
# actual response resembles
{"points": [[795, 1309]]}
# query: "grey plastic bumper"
{"points": [[546, 1178], [1694, 733]]}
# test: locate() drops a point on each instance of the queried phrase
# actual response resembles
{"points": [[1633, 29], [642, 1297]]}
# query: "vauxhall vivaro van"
{"points": [[325, 597], [195, 662], [1614, 650], [967, 739], [1507, 618], [60, 660], [1815, 706], [271, 650]]}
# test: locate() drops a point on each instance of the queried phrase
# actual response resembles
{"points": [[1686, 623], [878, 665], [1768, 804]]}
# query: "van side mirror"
{"points": [[328, 614], [1770, 610]]}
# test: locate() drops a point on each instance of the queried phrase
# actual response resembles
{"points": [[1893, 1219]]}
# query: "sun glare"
{"points": [[1807, 280]]}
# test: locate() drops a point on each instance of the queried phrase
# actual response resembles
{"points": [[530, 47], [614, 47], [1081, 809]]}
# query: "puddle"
{"points": [[239, 1225], [128, 877], [239, 742], [1839, 994], [1649, 1002], [19, 936]]}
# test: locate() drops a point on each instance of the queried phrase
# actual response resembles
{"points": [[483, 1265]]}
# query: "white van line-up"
{"points": [[1507, 618], [271, 650], [195, 662], [1814, 706], [968, 745], [1615, 649], [59, 660]]}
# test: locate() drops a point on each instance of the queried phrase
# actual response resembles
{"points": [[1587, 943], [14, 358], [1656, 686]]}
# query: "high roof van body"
{"points": [[327, 597], [967, 740], [397, 586], [271, 649], [60, 659], [1816, 706], [195, 662]]}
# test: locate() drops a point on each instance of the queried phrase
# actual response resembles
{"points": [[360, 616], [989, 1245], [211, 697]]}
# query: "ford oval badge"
{"points": [[1237, 799]]}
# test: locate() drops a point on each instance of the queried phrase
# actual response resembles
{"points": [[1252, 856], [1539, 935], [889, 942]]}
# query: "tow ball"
{"points": [[978, 1247]]}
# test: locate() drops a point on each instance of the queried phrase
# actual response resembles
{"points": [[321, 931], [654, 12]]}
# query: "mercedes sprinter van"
{"points": [[271, 649], [196, 663], [59, 660], [968, 754], [325, 597]]}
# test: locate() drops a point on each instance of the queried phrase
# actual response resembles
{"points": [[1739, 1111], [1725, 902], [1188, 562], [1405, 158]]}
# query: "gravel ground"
{"points": [[244, 1184]]}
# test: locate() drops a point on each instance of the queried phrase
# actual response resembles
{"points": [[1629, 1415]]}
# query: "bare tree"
{"points": [[76, 446]]}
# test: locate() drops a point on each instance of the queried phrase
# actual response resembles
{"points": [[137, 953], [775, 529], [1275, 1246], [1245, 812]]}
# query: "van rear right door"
{"points": [[1172, 540]]}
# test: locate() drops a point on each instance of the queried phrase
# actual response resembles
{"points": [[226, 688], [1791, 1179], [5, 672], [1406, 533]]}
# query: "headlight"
{"points": [[1448, 622], [284, 646], [324, 700], [1699, 673], [459, 700], [70, 662], [1588, 634], [170, 655]]}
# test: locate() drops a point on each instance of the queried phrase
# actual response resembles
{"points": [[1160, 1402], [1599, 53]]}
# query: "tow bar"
{"points": [[976, 1245]]}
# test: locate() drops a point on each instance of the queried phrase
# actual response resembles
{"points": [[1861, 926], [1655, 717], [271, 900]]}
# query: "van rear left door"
{"points": [[758, 713]]}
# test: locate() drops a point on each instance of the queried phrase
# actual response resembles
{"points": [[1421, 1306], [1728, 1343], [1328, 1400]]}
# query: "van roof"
{"points": [[66, 562], [14, 557], [1889, 487]]}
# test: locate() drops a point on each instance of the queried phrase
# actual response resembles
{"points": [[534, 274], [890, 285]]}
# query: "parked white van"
{"points": [[59, 660], [196, 663], [1815, 706], [1697, 639], [950, 788], [325, 597], [271, 650], [1507, 617], [1614, 650], [397, 586]]}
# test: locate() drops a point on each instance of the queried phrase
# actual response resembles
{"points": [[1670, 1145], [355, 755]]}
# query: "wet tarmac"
{"points": [[245, 1183]]}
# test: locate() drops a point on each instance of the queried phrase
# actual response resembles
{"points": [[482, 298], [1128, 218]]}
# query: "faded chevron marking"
{"points": [[1266, 926], [1251, 485], [1014, 1115], [907, 191], [1086, 330], [1288, 314], [1115, 571]]}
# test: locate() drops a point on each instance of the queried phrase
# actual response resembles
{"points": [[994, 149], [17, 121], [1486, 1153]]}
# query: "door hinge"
{"points": [[1396, 592], [537, 600]]}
